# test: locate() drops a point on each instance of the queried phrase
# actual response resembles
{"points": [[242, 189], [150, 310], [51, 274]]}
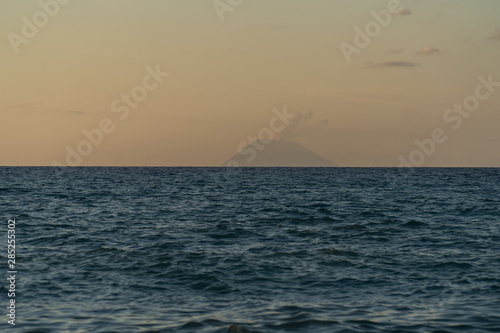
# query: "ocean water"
{"points": [[253, 249]]}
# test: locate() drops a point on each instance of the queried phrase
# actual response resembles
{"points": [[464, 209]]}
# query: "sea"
{"points": [[139, 249]]}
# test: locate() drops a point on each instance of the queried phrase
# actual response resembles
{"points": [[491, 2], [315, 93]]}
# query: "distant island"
{"points": [[277, 153]]}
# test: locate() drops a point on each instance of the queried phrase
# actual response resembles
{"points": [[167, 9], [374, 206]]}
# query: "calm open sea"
{"points": [[253, 249]]}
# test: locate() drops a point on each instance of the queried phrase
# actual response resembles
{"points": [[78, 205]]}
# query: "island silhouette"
{"points": [[277, 153]]}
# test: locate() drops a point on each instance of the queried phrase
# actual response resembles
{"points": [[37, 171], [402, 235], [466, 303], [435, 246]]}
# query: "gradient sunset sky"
{"points": [[227, 76]]}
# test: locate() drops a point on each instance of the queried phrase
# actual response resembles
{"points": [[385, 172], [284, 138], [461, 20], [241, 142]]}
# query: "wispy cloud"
{"points": [[302, 125], [403, 12], [391, 64], [495, 36], [71, 111], [262, 27], [395, 51], [297, 122], [36, 107], [428, 50], [22, 105]]}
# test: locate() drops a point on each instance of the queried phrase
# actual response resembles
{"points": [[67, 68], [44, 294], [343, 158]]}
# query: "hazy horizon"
{"points": [[177, 83]]}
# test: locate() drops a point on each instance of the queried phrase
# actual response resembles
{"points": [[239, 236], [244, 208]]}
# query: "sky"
{"points": [[203, 77]]}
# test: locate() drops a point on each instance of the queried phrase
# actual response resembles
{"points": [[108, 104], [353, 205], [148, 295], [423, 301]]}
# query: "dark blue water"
{"points": [[254, 250]]}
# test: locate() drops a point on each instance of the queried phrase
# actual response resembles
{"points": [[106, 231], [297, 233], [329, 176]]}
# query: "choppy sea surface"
{"points": [[253, 249]]}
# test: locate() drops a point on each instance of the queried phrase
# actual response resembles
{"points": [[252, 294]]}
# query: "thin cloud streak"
{"points": [[495, 36], [404, 12], [428, 50], [392, 64], [394, 51]]}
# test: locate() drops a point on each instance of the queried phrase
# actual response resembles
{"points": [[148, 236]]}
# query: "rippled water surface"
{"points": [[254, 249]]}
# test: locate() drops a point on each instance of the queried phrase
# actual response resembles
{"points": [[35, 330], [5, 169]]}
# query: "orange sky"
{"points": [[227, 75]]}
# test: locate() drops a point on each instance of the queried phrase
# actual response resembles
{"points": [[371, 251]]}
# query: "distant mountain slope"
{"points": [[278, 153]]}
